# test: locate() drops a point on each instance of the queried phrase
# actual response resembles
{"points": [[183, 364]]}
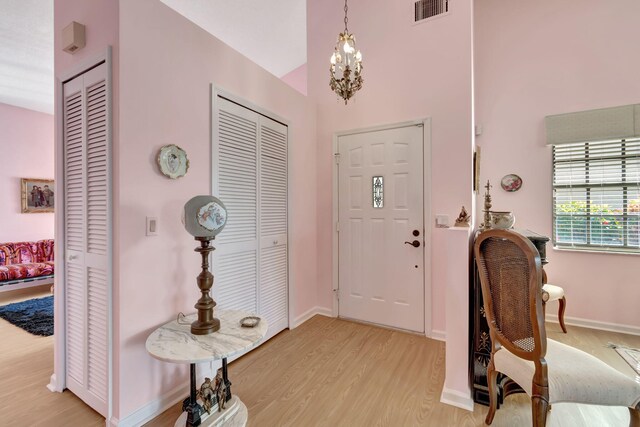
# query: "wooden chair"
{"points": [[549, 371], [555, 293]]}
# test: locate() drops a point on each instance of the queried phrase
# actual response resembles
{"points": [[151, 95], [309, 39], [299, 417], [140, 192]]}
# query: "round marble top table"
{"points": [[173, 342]]}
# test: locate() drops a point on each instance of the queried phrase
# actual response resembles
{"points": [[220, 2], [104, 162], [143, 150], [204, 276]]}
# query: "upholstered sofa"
{"points": [[22, 262]]}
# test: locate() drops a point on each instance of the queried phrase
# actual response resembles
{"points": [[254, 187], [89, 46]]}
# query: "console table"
{"points": [[480, 345], [174, 343]]}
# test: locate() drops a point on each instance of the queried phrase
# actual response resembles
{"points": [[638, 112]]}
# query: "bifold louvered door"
{"points": [[250, 177], [87, 240]]}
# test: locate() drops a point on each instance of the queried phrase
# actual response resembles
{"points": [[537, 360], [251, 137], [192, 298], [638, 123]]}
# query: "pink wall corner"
{"points": [[167, 67], [297, 79], [26, 141], [410, 72], [455, 242], [101, 19], [581, 58]]}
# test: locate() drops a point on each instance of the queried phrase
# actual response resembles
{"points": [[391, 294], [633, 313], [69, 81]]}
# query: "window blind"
{"points": [[596, 195]]}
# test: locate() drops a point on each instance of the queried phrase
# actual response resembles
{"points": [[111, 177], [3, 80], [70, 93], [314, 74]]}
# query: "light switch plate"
{"points": [[442, 221], [152, 226]]}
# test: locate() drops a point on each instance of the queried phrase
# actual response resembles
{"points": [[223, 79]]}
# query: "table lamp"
{"points": [[204, 218]]}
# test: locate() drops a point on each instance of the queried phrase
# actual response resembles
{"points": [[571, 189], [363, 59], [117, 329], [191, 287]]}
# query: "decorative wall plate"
{"points": [[173, 161], [511, 182]]}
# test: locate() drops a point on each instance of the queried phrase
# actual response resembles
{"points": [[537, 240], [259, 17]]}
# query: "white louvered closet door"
{"points": [[236, 258], [87, 243], [272, 286], [250, 177]]}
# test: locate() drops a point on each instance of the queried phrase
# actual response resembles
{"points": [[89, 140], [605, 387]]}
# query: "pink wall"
{"points": [[410, 72], [167, 66], [297, 79], [26, 141], [548, 57]]}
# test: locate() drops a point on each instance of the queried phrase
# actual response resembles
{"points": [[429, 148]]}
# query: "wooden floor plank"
{"points": [[332, 372], [327, 372], [26, 365]]}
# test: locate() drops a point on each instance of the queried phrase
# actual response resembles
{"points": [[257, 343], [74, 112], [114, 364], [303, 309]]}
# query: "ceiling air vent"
{"points": [[425, 9]]}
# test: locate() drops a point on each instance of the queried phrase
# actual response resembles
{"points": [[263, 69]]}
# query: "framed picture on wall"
{"points": [[37, 195]]}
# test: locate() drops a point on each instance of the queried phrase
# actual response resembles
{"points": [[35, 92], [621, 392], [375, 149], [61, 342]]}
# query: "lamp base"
{"points": [[205, 328]]}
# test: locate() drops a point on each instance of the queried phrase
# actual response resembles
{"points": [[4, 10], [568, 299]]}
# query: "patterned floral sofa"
{"points": [[26, 261]]}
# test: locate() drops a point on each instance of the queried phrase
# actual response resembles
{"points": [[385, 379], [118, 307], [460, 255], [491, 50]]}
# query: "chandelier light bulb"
{"points": [[347, 47]]}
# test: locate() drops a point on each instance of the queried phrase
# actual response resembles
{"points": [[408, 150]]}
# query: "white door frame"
{"points": [[58, 378], [426, 137], [218, 91]]}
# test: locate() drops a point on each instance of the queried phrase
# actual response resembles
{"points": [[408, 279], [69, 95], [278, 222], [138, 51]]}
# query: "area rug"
{"points": [[630, 355], [34, 315]]}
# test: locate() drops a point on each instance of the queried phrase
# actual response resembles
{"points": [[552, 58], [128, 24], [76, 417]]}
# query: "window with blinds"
{"points": [[596, 195]]}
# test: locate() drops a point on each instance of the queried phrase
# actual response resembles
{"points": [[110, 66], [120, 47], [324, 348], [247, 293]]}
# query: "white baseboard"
{"points": [[53, 384], [594, 324], [457, 399], [438, 335], [323, 311], [152, 409]]}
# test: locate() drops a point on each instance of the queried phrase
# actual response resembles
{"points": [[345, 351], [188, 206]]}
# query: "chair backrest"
{"points": [[6, 249], [26, 252], [511, 279]]}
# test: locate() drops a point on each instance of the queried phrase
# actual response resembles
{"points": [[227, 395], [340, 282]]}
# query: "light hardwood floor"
{"points": [[327, 372], [26, 365], [331, 372]]}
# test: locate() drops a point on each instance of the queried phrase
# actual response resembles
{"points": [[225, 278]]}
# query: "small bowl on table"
{"points": [[502, 220]]}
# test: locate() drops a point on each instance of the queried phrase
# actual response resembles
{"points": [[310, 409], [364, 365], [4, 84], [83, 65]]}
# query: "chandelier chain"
{"points": [[346, 9]]}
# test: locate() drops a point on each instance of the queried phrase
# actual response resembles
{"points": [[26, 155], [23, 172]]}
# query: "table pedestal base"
{"points": [[234, 415]]}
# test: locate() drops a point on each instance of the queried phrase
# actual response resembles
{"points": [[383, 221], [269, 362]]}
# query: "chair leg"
{"points": [[634, 418], [562, 305], [539, 409], [492, 380]]}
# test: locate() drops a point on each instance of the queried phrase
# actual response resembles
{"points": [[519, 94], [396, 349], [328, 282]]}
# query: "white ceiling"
{"points": [[272, 33], [26, 54]]}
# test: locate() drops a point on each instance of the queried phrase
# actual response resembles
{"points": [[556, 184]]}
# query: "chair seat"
{"points": [[553, 292], [24, 271], [574, 376]]}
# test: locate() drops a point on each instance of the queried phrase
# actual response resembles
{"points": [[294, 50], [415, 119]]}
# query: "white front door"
{"points": [[380, 204]]}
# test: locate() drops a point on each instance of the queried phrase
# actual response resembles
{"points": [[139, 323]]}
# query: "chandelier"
{"points": [[346, 64]]}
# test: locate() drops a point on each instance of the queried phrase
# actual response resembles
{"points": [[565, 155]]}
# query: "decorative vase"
{"points": [[502, 220]]}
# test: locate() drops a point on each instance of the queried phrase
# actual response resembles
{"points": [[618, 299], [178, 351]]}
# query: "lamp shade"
{"points": [[204, 216]]}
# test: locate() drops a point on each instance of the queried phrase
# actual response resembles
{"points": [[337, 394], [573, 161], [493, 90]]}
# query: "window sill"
{"points": [[595, 251]]}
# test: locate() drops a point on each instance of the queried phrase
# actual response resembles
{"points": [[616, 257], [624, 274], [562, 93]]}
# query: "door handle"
{"points": [[72, 257], [415, 243]]}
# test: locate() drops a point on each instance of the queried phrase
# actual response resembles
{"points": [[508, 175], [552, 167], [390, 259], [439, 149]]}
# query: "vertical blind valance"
{"points": [[594, 125]]}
